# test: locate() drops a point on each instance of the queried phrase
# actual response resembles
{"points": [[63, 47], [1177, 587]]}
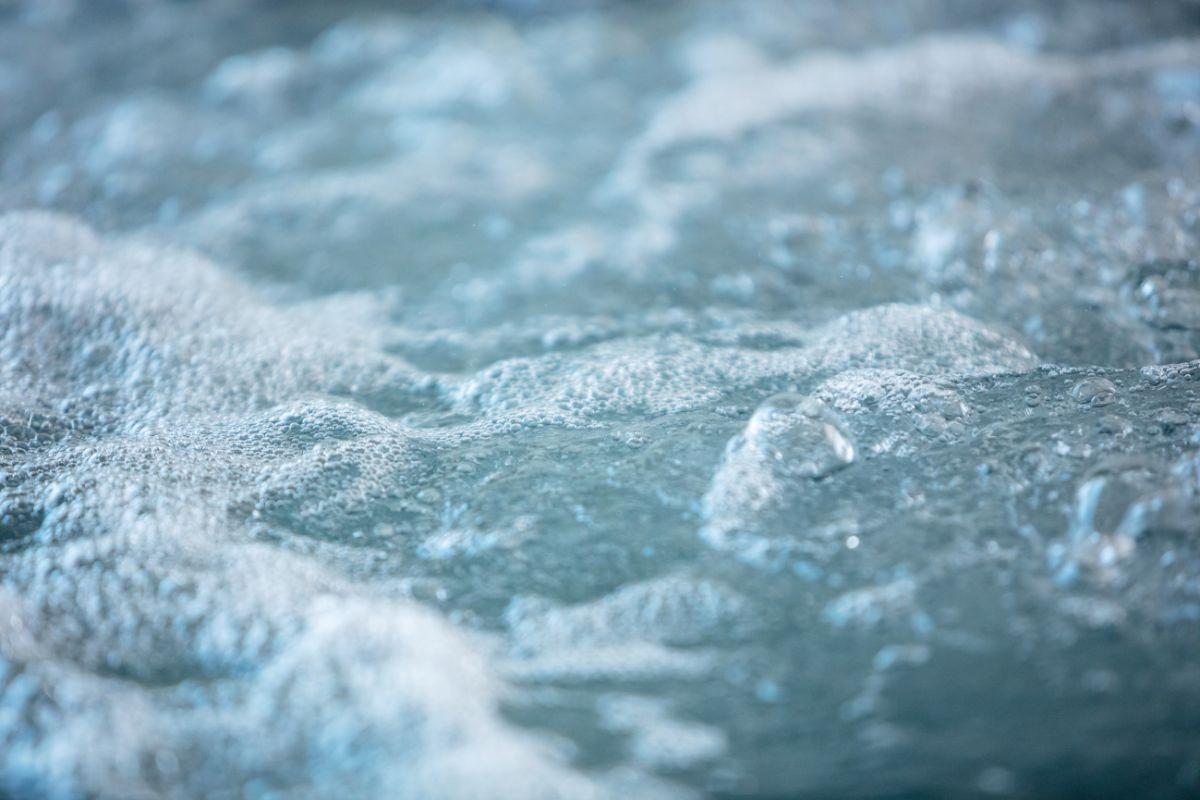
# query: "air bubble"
{"points": [[789, 440], [1094, 392]]}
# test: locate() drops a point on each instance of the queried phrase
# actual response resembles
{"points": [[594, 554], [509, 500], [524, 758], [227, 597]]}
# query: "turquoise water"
{"points": [[774, 399]]}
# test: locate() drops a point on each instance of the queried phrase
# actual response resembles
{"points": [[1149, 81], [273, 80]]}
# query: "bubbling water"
{"points": [[533, 399]]}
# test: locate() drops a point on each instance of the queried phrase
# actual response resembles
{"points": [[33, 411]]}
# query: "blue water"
{"points": [[774, 399]]}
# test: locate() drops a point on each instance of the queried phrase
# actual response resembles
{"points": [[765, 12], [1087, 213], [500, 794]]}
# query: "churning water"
{"points": [[586, 400]]}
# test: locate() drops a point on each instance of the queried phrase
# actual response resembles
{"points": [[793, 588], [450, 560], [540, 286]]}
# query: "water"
{"points": [[586, 400]]}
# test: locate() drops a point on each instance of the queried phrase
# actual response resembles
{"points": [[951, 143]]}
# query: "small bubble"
{"points": [[767, 691], [1170, 420], [1112, 425], [1094, 392]]}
